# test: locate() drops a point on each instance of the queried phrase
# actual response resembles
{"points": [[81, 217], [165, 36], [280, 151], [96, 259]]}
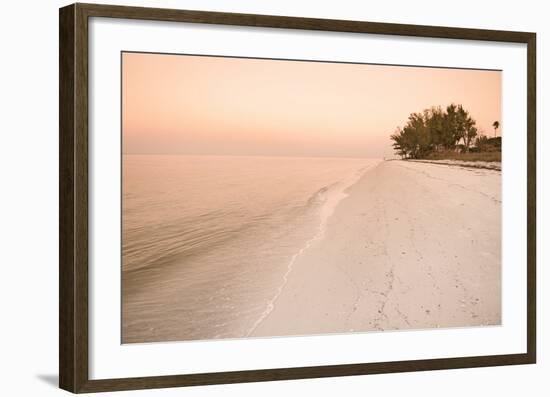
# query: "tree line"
{"points": [[438, 130]]}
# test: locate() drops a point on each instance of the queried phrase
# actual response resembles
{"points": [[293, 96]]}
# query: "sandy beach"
{"points": [[413, 246], [275, 215]]}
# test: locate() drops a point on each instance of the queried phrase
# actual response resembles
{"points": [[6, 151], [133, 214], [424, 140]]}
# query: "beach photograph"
{"points": [[277, 197]]}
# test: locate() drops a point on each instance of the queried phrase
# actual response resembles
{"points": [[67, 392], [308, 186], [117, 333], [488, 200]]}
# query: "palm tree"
{"points": [[496, 124]]}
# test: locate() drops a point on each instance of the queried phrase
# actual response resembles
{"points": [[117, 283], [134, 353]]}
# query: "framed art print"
{"points": [[250, 198]]}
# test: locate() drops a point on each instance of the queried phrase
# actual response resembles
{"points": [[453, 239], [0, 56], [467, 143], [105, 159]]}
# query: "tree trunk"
{"points": [[466, 144]]}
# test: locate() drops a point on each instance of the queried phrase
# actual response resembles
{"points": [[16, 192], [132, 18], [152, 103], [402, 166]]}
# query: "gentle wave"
{"points": [[209, 242], [331, 199]]}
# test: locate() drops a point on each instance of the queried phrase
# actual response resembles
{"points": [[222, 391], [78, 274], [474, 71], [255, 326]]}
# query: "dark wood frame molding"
{"points": [[73, 196]]}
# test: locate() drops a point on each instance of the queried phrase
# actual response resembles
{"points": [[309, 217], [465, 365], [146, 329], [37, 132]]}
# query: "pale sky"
{"points": [[235, 106]]}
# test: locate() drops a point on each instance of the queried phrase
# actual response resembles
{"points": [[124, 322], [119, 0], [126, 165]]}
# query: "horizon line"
{"points": [[245, 155]]}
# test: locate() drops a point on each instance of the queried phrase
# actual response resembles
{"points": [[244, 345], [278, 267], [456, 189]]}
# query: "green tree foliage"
{"points": [[435, 130], [496, 124]]}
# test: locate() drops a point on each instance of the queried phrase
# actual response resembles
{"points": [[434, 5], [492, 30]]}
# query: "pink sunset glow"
{"points": [[236, 106]]}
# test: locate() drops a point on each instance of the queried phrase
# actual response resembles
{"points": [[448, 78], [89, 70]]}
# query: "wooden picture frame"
{"points": [[73, 206]]}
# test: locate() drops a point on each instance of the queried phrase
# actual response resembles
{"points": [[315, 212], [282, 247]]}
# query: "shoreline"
{"points": [[385, 263], [325, 213]]}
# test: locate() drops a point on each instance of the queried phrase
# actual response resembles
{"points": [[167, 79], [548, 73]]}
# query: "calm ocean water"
{"points": [[208, 241]]}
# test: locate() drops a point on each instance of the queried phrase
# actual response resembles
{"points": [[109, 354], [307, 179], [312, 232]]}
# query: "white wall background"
{"points": [[29, 194]]}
